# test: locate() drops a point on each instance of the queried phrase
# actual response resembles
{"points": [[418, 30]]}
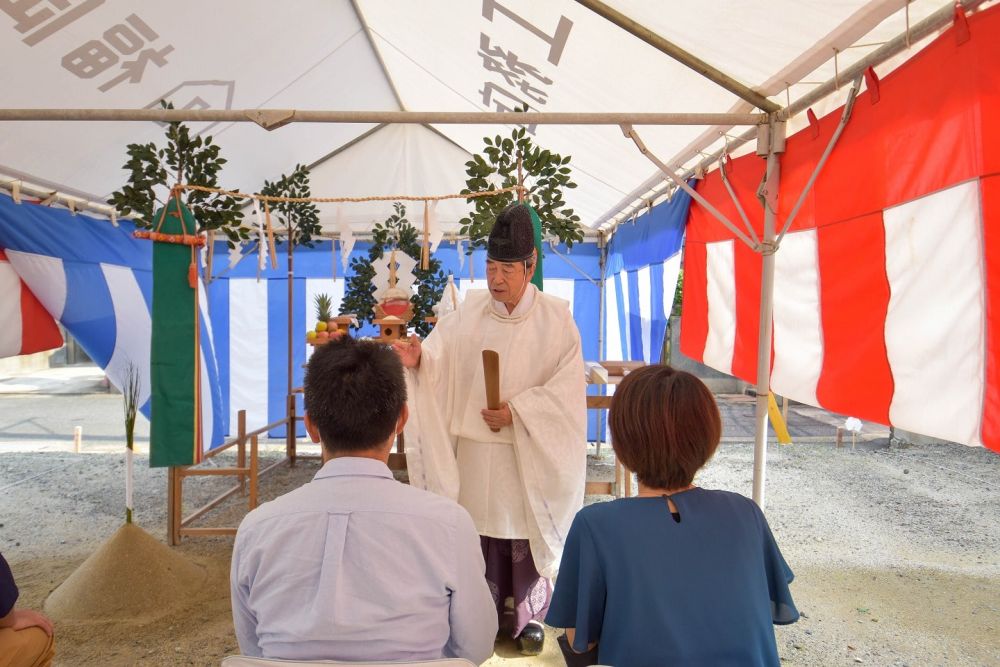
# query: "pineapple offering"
{"points": [[326, 324]]}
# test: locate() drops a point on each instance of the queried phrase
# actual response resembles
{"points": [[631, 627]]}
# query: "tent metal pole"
{"points": [[271, 119], [680, 55], [769, 199], [844, 118], [669, 173], [736, 200], [289, 396], [602, 320]]}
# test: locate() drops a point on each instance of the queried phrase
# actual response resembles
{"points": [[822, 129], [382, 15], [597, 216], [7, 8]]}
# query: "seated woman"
{"points": [[679, 575]]}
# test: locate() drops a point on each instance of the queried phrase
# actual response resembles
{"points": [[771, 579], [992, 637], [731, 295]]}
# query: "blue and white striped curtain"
{"points": [[97, 281], [249, 326], [644, 260]]}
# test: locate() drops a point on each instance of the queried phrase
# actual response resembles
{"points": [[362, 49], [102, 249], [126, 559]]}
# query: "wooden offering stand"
{"points": [[393, 318], [340, 324]]}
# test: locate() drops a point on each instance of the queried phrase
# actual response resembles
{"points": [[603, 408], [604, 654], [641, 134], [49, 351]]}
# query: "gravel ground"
{"points": [[896, 549]]}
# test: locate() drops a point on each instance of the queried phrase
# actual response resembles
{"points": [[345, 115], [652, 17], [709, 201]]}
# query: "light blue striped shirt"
{"points": [[356, 566]]}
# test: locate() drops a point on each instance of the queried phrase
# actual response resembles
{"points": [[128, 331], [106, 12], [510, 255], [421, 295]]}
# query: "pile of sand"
{"points": [[132, 576]]}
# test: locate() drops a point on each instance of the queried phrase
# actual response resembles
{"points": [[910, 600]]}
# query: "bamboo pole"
{"points": [[194, 532], [241, 446], [238, 471], [520, 178], [425, 247], [201, 511], [253, 472], [174, 493]]}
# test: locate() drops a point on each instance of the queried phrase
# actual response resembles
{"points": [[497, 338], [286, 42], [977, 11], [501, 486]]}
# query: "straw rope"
{"points": [[340, 200]]}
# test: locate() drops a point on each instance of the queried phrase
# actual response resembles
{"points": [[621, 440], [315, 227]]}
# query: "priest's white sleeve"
{"points": [[550, 438], [429, 447]]}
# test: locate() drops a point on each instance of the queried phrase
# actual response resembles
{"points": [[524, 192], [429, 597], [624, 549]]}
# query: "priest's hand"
{"points": [[408, 351], [498, 418]]}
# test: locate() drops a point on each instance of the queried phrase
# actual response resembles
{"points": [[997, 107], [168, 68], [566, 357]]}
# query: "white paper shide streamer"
{"points": [[235, 255], [434, 231], [346, 238], [261, 238]]}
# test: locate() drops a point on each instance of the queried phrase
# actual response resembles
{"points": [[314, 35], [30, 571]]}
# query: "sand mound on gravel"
{"points": [[131, 577]]}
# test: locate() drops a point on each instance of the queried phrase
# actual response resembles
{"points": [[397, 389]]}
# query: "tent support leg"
{"points": [[290, 413], [602, 319], [769, 198]]}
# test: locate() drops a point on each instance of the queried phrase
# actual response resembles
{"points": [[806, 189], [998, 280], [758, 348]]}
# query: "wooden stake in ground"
{"points": [[491, 372]]}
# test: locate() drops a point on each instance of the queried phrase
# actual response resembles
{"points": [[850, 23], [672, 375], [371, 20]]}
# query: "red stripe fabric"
{"points": [[748, 267], [854, 297], [744, 174], [40, 332], [921, 137], [694, 304], [990, 191]]}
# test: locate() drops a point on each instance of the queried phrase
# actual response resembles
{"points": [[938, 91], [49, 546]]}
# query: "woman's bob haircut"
{"points": [[665, 425]]}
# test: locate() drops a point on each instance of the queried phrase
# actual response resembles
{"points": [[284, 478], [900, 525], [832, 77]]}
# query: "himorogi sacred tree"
{"points": [[395, 232]]}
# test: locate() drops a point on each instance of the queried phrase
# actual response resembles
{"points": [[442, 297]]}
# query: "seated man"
{"points": [[25, 635], [354, 565]]}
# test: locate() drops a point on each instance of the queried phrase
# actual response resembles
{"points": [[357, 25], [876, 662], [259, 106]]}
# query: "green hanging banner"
{"points": [[536, 280], [175, 372]]}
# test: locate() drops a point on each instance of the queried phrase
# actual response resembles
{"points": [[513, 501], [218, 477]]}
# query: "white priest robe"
{"points": [[527, 481]]}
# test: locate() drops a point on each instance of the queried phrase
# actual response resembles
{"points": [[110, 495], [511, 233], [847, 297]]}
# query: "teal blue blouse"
{"points": [[654, 590]]}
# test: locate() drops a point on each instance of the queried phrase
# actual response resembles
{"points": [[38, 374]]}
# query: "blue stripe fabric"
{"points": [[275, 351], [277, 348], [636, 351], [89, 314], [587, 313], [144, 279], [658, 328], [217, 436], [218, 309], [653, 238], [81, 238], [621, 317]]}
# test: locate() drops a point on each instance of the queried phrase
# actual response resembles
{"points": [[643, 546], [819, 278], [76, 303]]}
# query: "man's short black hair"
{"points": [[354, 393]]}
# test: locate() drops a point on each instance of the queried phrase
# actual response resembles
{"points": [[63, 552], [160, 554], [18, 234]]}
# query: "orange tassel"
{"points": [[192, 275]]}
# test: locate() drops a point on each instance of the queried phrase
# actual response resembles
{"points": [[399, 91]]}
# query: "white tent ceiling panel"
{"points": [[245, 55], [393, 160], [464, 61], [348, 79]]}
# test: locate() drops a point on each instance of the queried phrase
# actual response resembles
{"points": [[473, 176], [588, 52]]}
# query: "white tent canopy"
{"points": [[374, 55]]}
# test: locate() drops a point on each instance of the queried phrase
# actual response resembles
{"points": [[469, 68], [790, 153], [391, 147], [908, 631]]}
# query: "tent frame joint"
{"points": [[271, 119]]}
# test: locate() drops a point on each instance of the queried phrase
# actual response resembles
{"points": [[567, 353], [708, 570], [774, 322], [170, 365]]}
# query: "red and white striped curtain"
{"points": [[887, 286]]}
